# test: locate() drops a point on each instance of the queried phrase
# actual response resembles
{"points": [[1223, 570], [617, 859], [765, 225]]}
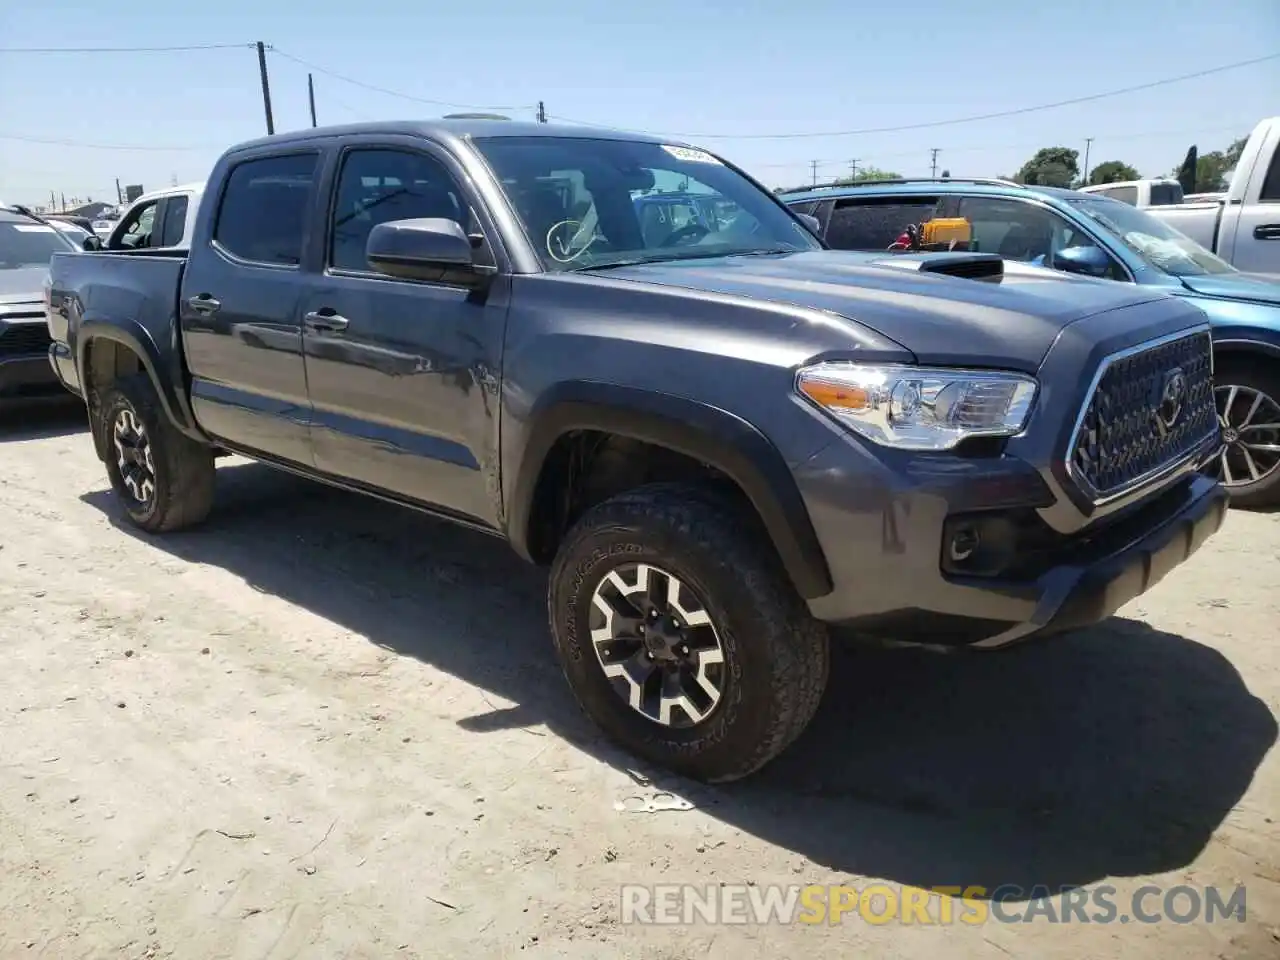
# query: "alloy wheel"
{"points": [[657, 645], [1250, 421], [133, 456]]}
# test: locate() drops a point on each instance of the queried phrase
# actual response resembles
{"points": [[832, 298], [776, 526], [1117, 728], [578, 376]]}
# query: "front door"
{"points": [[402, 375]]}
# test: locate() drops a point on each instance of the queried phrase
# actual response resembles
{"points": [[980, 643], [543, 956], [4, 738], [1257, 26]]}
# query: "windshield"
{"points": [[588, 203], [1155, 241], [29, 244]]}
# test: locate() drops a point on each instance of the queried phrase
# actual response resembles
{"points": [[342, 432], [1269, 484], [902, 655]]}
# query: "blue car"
{"points": [[1092, 235]]}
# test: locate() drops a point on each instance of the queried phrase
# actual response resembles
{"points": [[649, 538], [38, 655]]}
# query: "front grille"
{"points": [[18, 339], [1150, 407]]}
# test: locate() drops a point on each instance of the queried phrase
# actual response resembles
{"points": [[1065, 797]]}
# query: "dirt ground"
{"points": [[321, 726]]}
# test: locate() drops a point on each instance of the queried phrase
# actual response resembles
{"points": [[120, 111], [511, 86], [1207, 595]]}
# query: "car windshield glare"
{"points": [[1159, 244], [590, 203], [29, 244]]}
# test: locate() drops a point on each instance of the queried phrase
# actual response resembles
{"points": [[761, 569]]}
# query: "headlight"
{"points": [[919, 408]]}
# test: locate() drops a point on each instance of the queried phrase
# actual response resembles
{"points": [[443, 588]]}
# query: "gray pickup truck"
{"points": [[728, 443]]}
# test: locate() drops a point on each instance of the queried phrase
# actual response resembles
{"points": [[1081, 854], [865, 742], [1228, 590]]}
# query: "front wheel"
{"points": [[163, 479], [681, 635], [1248, 398]]}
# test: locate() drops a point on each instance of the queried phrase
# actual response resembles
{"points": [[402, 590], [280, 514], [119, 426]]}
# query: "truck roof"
{"points": [[452, 129]]}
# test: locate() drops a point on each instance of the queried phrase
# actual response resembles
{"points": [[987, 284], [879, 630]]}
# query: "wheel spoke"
{"points": [[1226, 409], [1260, 426], [1261, 447], [1257, 402], [1248, 459], [1227, 478]]}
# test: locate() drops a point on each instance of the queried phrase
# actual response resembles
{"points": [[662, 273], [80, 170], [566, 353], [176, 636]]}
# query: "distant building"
{"points": [[93, 211]]}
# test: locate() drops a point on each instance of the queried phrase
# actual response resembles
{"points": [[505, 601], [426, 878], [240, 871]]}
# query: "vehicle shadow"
{"points": [[1116, 751], [42, 419]]}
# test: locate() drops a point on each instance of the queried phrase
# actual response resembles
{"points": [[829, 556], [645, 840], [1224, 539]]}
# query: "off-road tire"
{"points": [[1263, 376], [183, 468], [776, 653]]}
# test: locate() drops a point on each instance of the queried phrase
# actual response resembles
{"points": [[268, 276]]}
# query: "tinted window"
{"points": [[1163, 194], [379, 186], [264, 206], [1271, 185], [808, 206], [175, 218], [1127, 195], [588, 204], [874, 223]]}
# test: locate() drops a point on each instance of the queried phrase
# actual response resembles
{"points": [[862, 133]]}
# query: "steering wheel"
{"points": [[694, 229]]}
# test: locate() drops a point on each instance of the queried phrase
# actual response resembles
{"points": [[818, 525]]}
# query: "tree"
{"points": [[1234, 151], [1051, 167], [871, 173], [1112, 171]]}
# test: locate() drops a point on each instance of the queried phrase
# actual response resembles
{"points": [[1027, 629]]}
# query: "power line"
{"points": [[105, 146], [970, 119], [393, 93], [177, 49], [1241, 129]]}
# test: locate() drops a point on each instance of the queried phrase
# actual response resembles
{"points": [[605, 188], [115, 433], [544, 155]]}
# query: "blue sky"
{"points": [[699, 69]]}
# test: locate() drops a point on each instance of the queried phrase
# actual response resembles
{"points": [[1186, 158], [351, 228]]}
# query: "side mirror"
{"points": [[1089, 261], [812, 222], [432, 249], [91, 243]]}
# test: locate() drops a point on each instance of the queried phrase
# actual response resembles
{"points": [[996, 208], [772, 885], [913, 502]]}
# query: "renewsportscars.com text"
{"points": [[881, 903]]}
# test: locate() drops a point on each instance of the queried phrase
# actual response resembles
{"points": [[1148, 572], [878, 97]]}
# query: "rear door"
{"points": [[240, 307]]}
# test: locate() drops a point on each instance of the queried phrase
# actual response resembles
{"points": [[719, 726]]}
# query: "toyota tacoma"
{"points": [[728, 443]]}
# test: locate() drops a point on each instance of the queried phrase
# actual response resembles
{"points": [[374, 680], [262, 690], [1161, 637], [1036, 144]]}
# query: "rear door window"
{"points": [[1165, 194], [262, 216], [874, 223], [1127, 195]]}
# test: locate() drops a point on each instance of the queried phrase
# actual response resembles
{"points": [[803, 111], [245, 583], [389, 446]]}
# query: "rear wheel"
{"points": [[1248, 398], [163, 478], [681, 635]]}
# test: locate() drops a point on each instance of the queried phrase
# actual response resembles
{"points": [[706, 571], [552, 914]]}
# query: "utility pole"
{"points": [[813, 165], [119, 193], [53, 201], [853, 170], [311, 98], [1084, 174], [933, 163], [63, 208], [266, 87], [542, 112]]}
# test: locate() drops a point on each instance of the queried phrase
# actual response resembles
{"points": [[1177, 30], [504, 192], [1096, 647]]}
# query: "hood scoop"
{"points": [[969, 266]]}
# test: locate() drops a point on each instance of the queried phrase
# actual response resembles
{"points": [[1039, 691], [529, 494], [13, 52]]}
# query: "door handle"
{"points": [[1267, 231], [204, 304], [325, 321]]}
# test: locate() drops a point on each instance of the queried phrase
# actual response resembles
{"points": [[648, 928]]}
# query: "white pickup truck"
{"points": [[1243, 227]]}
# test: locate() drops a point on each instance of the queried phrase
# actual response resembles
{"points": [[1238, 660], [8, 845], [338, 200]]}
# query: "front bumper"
{"points": [[884, 541]]}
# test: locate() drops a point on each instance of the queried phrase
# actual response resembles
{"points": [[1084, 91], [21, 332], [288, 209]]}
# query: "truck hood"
{"points": [[23, 284], [940, 319], [1236, 286]]}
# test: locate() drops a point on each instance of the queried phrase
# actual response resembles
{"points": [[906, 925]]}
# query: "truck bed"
{"points": [[135, 292]]}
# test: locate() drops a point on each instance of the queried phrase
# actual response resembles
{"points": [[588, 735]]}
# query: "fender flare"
{"points": [[135, 337], [714, 436]]}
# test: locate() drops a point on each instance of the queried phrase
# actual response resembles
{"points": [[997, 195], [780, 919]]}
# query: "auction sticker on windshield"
{"points": [[690, 154]]}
